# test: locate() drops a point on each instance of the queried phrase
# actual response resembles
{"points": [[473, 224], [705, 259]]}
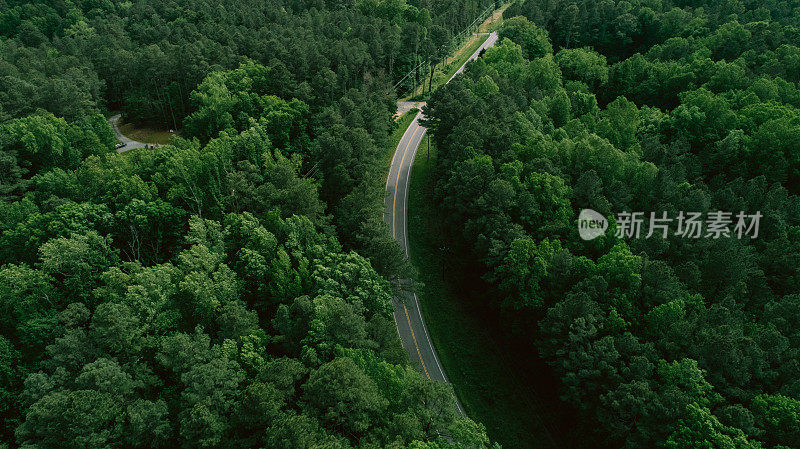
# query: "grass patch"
{"points": [[500, 381], [452, 63], [444, 71], [144, 134]]}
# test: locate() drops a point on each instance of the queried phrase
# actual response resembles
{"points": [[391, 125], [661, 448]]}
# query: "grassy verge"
{"points": [[500, 381], [146, 135], [444, 71], [494, 21], [452, 63]]}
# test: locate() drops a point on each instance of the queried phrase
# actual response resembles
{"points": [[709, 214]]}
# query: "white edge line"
{"points": [[405, 237], [416, 299], [428, 337], [484, 45], [408, 178], [397, 325]]}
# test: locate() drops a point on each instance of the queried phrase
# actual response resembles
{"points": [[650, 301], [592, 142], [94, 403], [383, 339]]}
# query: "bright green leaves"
{"points": [[523, 271], [619, 123], [534, 41], [208, 284], [24, 238], [235, 99], [130, 338], [348, 294], [40, 142], [216, 103], [194, 178], [703, 117], [486, 87], [341, 395], [116, 329], [144, 327], [82, 418], [668, 342], [148, 422], [105, 376], [76, 261], [550, 209], [622, 270], [351, 277], [699, 429], [542, 77], [209, 396], [334, 322], [684, 381], [779, 417], [584, 65], [26, 297], [466, 433]]}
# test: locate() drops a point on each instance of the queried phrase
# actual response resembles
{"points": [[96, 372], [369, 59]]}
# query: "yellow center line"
{"points": [[394, 235], [397, 181], [415, 342]]}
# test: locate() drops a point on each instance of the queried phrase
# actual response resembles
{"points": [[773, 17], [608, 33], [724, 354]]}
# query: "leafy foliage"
{"points": [[670, 342], [229, 289]]}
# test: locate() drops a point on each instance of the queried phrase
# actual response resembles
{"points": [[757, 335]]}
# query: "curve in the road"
{"points": [[407, 314], [129, 143]]}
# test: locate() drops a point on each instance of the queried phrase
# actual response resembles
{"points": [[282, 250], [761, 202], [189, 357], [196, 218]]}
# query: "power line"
{"points": [[481, 17]]}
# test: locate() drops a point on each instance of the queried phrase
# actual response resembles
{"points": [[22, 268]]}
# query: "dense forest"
{"points": [[229, 289], [652, 106]]}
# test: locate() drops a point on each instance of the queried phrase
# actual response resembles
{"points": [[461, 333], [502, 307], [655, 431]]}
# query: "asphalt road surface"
{"points": [[410, 323], [129, 143]]}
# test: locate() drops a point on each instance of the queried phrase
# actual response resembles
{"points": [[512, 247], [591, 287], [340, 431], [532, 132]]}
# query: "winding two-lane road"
{"points": [[410, 323]]}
